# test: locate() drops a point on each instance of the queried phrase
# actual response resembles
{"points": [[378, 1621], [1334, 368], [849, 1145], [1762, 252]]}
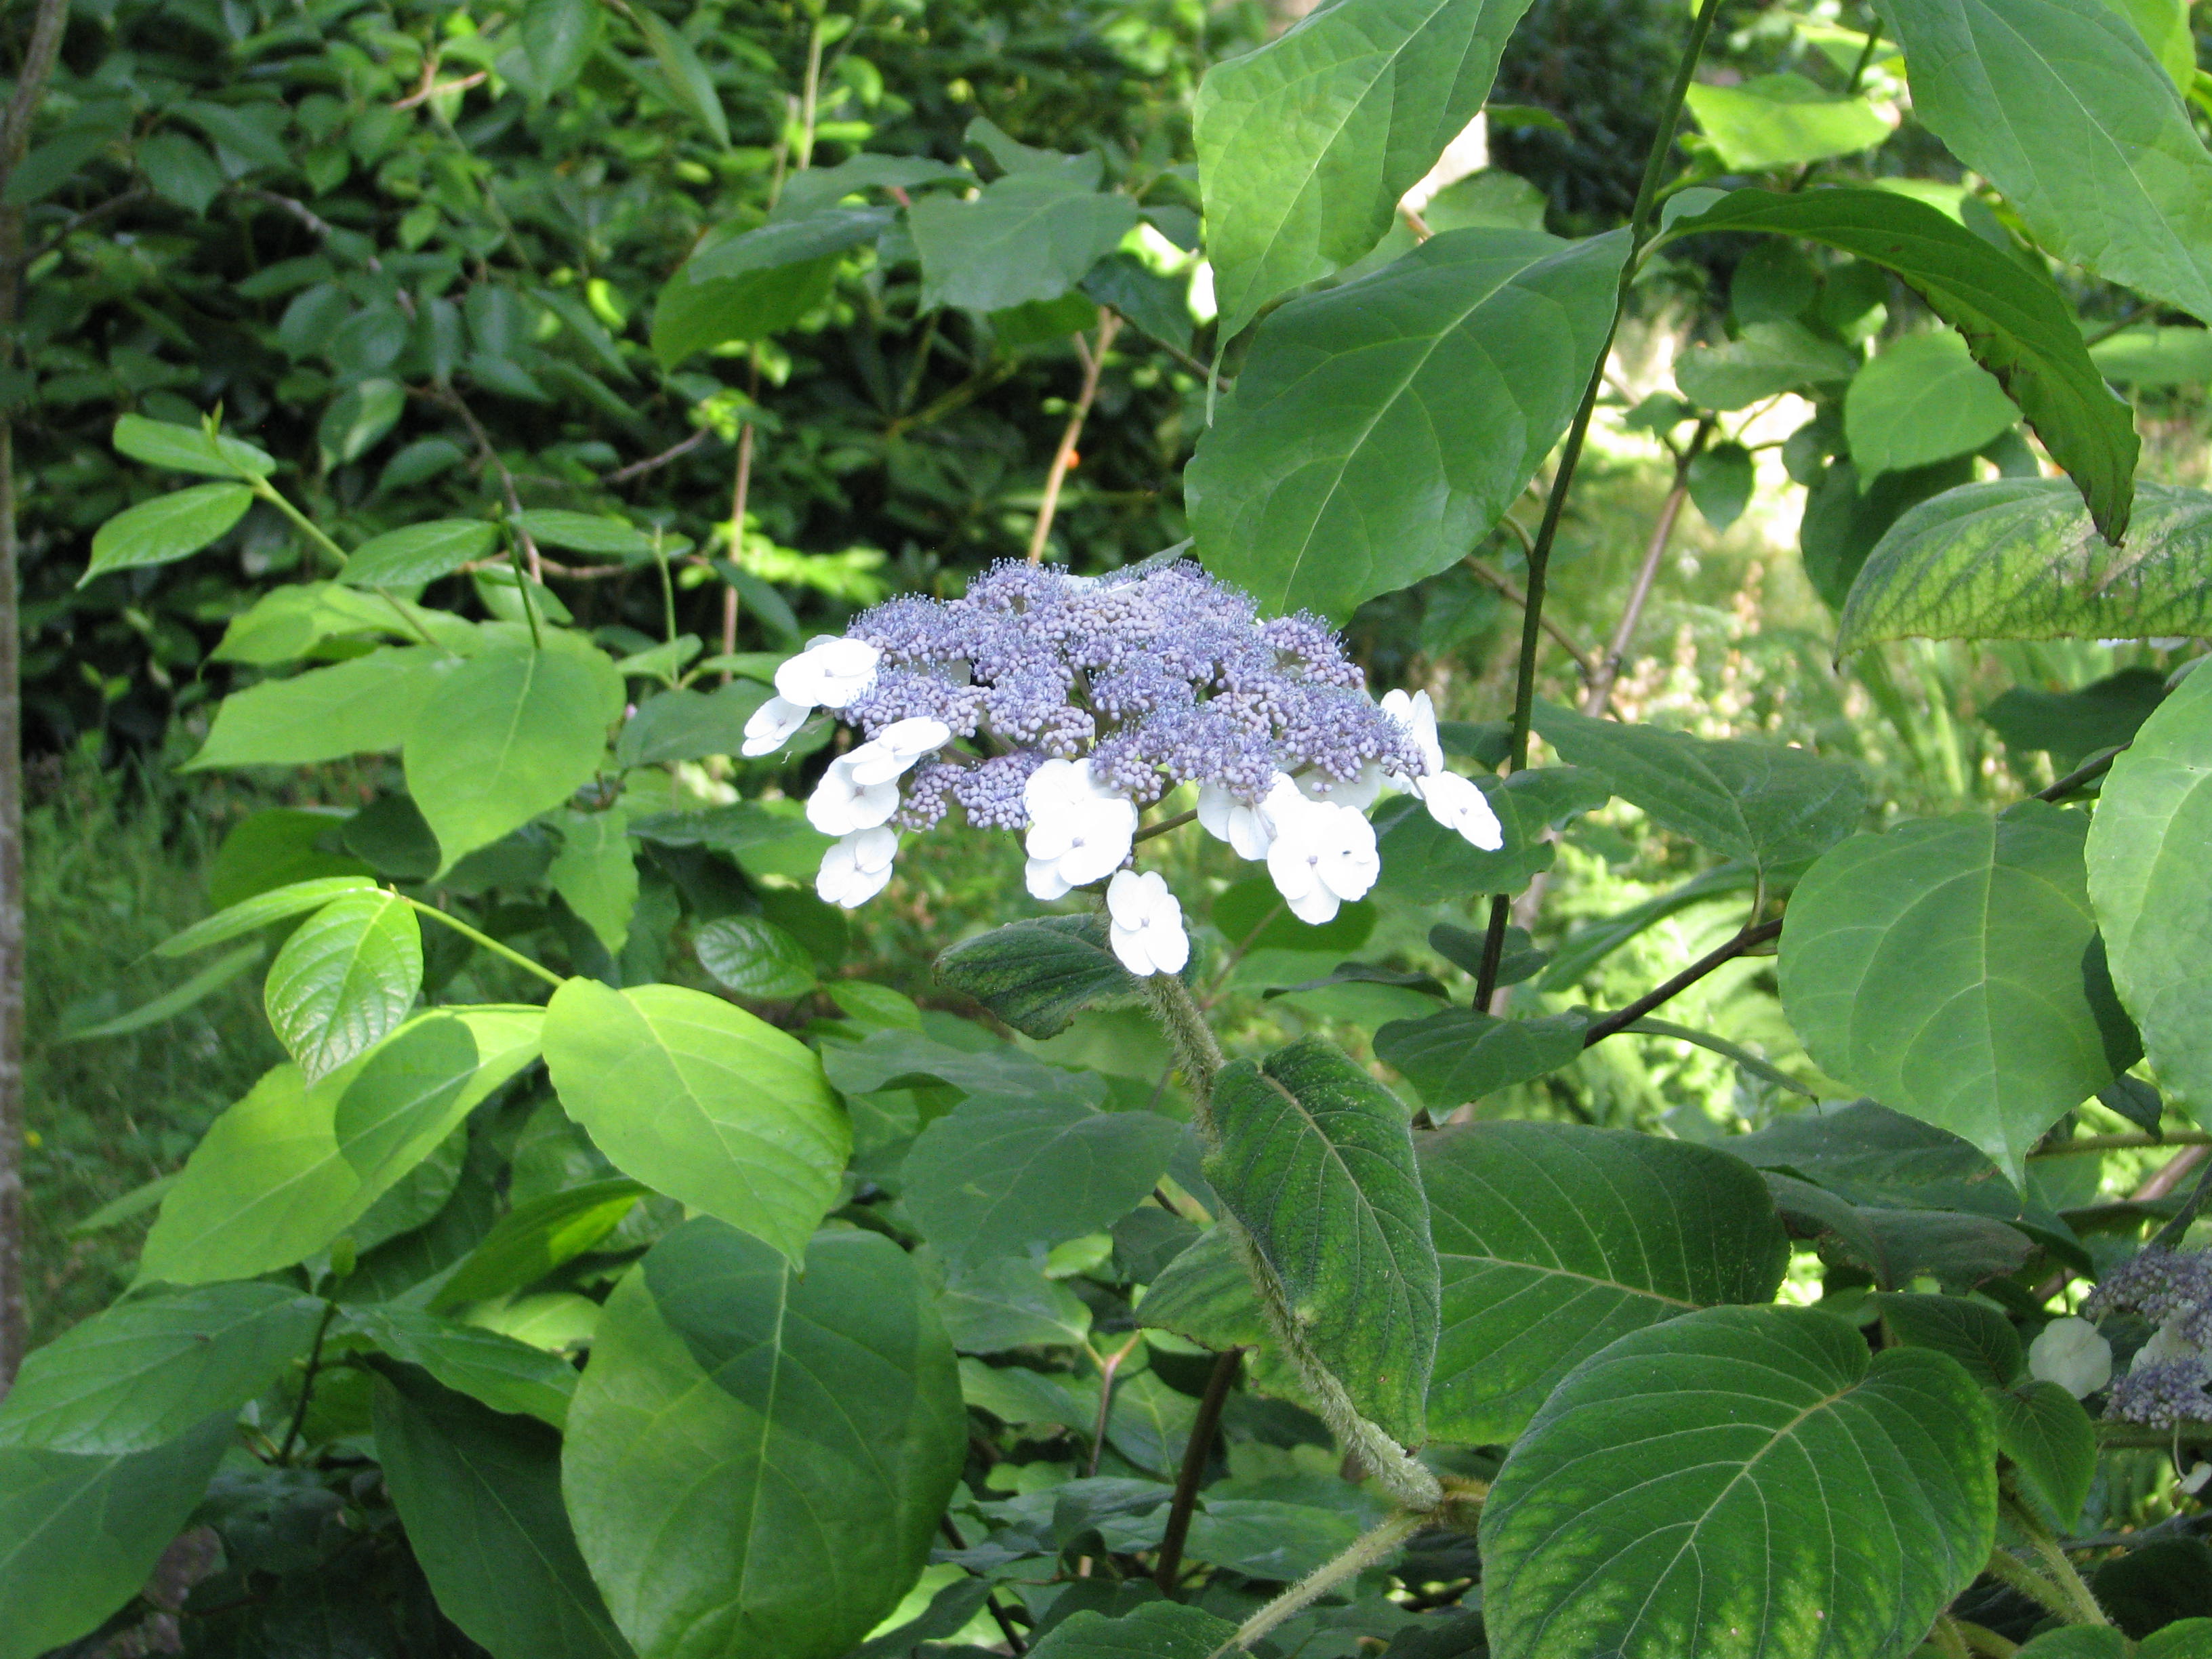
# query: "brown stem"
{"points": [[1107, 1367], [1218, 1381], [2169, 1177], [1620, 1018], [1094, 364], [739, 491], [1163, 826], [14, 139], [1595, 701], [1510, 591], [638, 469]]}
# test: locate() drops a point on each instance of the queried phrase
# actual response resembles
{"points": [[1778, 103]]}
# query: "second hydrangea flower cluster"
{"points": [[1061, 705]]}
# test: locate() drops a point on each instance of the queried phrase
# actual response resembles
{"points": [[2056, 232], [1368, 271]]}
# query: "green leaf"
{"points": [[690, 316], [2076, 1642], [689, 84], [360, 707], [2155, 359], [2071, 725], [79, 1534], [1006, 1301], [1761, 802], [2016, 324], [1028, 236], [147, 1370], [357, 420], [702, 1102], [595, 874], [587, 532], [344, 980], [1205, 1296], [1305, 145], [1951, 969], [2151, 886], [558, 38], [181, 171], [1037, 975], [1740, 1482], [188, 449], [1974, 1334], [1722, 478], [1160, 1629], [2052, 1445], [418, 554], [403, 1100], [1316, 1163], [1772, 1075], [2017, 559], [1461, 1053], [480, 1496], [252, 915], [1783, 121], [1378, 429], [686, 725], [799, 240], [277, 847], [2110, 174], [172, 1002], [287, 624], [167, 528], [1922, 400], [754, 958], [1005, 1174], [1554, 1239], [1425, 862], [507, 1376], [1766, 359], [2185, 1638], [535, 1237], [506, 736], [756, 1460], [1896, 1247]]}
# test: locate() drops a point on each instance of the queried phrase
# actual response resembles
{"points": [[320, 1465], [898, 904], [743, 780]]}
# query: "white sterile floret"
{"points": [[2070, 1352], [832, 672], [897, 747], [1458, 803], [1147, 932], [1322, 854], [1418, 716], [857, 867], [772, 725], [842, 804], [1359, 794], [1079, 833], [1250, 830]]}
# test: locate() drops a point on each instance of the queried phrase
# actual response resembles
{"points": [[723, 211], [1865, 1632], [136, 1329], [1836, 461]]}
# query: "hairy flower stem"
{"points": [[1539, 552], [1373, 1547], [2082, 1607], [2015, 1574]]}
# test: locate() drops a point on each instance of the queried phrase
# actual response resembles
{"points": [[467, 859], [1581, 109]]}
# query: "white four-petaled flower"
{"points": [[840, 802], [857, 867], [1078, 832], [830, 672], [888, 754], [2070, 1352], [1455, 802], [1147, 933], [772, 724], [1322, 855]]}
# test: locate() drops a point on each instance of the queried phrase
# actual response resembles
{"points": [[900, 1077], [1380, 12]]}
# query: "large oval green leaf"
{"points": [[1740, 1483], [756, 1460], [2151, 883], [167, 528], [1378, 429], [357, 707], [1316, 1163], [344, 980], [1555, 1239], [1027, 237], [1951, 969], [701, 1101]]}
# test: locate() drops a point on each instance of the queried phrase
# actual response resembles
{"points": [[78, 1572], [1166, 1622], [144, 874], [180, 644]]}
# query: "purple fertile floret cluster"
{"points": [[2164, 1286], [2162, 1394], [1161, 678]]}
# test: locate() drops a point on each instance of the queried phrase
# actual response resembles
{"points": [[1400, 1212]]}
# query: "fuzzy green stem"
{"points": [[485, 941], [2081, 1603], [2016, 1574], [1947, 1640], [1981, 1639], [1178, 1014], [1372, 1548]]}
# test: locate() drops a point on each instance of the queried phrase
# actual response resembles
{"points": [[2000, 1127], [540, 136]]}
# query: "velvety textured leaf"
{"points": [[506, 735], [1741, 1482], [2078, 1642], [1028, 236], [1951, 969], [1163, 1630], [497, 1371], [1205, 1296], [1038, 974], [480, 1496], [1554, 1239], [1462, 1054], [2015, 324], [79, 1534], [2111, 173], [1761, 802], [361, 706], [1378, 429], [2017, 559], [167, 529], [535, 1237], [1317, 1163], [146, 1370], [1000, 1175], [702, 1102], [1922, 400], [2052, 1445], [344, 980], [2152, 886], [419, 553], [1305, 145], [756, 1460]]}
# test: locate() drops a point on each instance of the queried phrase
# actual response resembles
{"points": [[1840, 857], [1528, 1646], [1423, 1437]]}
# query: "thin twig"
{"points": [[307, 1384], [990, 1596], [1508, 590], [1750, 939], [2170, 1236], [2122, 1142], [453, 400], [1094, 364], [1163, 826], [318, 226], [638, 469], [2088, 772], [426, 92], [1218, 1381], [1600, 694], [90, 217]]}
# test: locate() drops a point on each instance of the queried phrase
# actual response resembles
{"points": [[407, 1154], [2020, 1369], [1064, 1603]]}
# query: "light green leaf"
{"points": [[1763, 803], [1038, 974], [167, 528], [188, 449], [506, 736], [588, 532], [344, 980], [1028, 236], [2164, 26], [1378, 429], [252, 914], [702, 1102], [1741, 1482], [533, 1238], [2052, 1445], [558, 38], [480, 1496], [687, 80], [1554, 1239], [79, 1534], [405, 1099], [2152, 886], [1205, 1296], [1924, 399], [1721, 480], [360, 707], [756, 1460], [1766, 359], [595, 873], [1951, 969], [286, 623], [2110, 173], [2155, 359], [754, 958], [1005, 1175], [418, 554], [1317, 1163], [146, 1370], [496, 1370], [1161, 1630], [1783, 121], [357, 420], [1305, 145], [1461, 1053]]}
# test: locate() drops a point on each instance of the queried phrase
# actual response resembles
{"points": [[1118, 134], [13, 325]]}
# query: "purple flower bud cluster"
{"points": [[1162, 677], [2165, 1286], [2162, 1393]]}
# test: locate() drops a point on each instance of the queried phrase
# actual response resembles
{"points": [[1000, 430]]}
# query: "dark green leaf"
{"points": [[535, 1237], [1555, 1239], [507, 1376], [2167, 1579], [587, 532], [1771, 1075], [418, 554], [686, 725], [558, 38], [1462, 1054], [2052, 1445], [1974, 1334], [1205, 1296], [754, 958], [690, 316], [595, 874], [1896, 1247], [167, 528], [1030, 235], [1425, 862], [689, 84], [1006, 1301], [1163, 1630], [1589, 945], [1037, 975], [1378, 429], [2071, 725], [1843, 522], [344, 980], [788, 241], [1721, 480]]}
